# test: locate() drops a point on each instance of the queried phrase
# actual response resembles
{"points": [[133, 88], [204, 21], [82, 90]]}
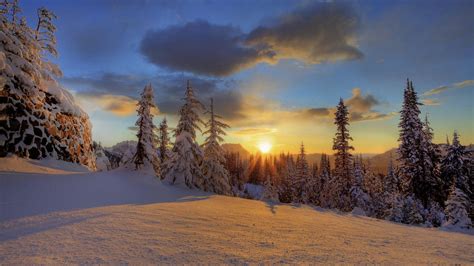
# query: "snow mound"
{"points": [[16, 164]]}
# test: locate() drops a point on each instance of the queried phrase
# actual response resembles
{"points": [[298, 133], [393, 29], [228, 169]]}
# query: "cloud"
{"points": [[431, 102], [317, 33], [437, 90], [464, 83], [318, 112], [457, 85], [313, 34], [202, 48], [360, 103], [168, 90], [254, 131], [116, 104], [361, 108]]}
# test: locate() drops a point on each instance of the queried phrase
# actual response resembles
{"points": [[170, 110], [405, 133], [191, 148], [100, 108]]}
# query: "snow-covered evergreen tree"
{"points": [[45, 29], [324, 179], [412, 149], [146, 149], [216, 176], [431, 155], [359, 198], [270, 190], [164, 141], [455, 167], [184, 165], [300, 179], [457, 207], [456, 173], [343, 176], [312, 189]]}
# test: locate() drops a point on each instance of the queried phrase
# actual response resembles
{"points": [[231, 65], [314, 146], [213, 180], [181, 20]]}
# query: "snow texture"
{"points": [[130, 217]]}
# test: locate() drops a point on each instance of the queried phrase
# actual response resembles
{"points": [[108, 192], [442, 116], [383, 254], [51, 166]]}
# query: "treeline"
{"points": [[427, 187]]}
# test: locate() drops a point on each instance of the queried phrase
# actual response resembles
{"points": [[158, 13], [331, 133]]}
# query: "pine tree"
{"points": [[15, 11], [454, 167], [343, 177], [413, 149], [164, 141], [359, 197], [301, 176], [45, 29], [325, 178], [431, 166], [456, 173], [184, 166], [216, 175], [146, 149], [270, 190], [457, 207]]}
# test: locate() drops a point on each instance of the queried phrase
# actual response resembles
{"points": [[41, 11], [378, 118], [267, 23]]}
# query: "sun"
{"points": [[264, 147]]}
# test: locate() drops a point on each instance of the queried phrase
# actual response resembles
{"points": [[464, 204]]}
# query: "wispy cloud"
{"points": [[457, 85], [431, 102]]}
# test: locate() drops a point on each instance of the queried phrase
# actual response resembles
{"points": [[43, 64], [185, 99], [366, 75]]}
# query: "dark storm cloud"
{"points": [[201, 48], [112, 89], [314, 34]]}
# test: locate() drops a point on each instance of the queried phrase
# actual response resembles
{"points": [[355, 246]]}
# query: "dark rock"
{"points": [[28, 139], [49, 147], [37, 142], [34, 153], [38, 132], [14, 124]]}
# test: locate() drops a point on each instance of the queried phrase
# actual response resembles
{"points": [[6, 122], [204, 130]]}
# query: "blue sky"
{"points": [[271, 63]]}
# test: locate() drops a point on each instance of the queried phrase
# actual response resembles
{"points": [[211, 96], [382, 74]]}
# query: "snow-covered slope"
{"points": [[124, 216]]}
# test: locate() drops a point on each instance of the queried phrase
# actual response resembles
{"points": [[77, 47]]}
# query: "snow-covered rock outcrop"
{"points": [[38, 118]]}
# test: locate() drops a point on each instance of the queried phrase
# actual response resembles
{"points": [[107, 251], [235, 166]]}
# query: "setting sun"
{"points": [[265, 147]]}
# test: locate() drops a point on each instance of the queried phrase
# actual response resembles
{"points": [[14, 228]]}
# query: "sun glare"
{"points": [[264, 147]]}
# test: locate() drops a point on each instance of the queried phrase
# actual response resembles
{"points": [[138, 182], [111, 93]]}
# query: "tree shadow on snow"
{"points": [[24, 195], [22, 228]]}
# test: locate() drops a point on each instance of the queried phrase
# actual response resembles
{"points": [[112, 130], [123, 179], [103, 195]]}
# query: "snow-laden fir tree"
{"points": [[359, 198], [270, 190], [146, 153], [324, 179], [164, 141], [216, 176], [411, 150], [45, 29], [455, 167], [431, 155], [301, 176], [457, 207], [343, 176], [456, 173], [391, 192], [184, 165], [312, 189]]}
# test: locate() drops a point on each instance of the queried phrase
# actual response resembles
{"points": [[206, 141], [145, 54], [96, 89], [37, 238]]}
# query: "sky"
{"points": [[276, 69]]}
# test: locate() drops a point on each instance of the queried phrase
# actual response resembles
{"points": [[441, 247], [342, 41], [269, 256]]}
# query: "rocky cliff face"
{"points": [[38, 118], [36, 127]]}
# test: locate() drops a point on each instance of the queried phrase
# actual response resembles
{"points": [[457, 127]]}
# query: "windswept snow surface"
{"points": [[124, 216]]}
